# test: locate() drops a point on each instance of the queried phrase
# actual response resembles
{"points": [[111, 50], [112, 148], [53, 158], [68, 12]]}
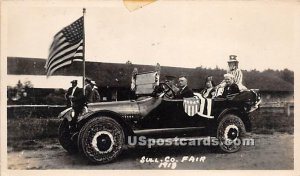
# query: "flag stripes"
{"points": [[66, 60], [198, 105], [191, 106], [205, 107], [66, 54], [66, 47]]}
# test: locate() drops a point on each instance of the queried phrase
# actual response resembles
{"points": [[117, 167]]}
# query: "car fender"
{"points": [[67, 113], [91, 114], [227, 111], [237, 112]]}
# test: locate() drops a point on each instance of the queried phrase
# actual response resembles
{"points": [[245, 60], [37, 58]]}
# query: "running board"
{"points": [[166, 130]]}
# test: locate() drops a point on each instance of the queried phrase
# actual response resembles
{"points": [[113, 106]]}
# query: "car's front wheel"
{"points": [[65, 137], [101, 139], [230, 131]]}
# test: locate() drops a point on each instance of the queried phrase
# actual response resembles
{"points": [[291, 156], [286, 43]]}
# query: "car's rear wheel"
{"points": [[230, 131], [65, 138], [101, 139]]}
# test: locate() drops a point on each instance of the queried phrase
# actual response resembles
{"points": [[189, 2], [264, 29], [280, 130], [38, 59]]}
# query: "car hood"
{"points": [[139, 107]]}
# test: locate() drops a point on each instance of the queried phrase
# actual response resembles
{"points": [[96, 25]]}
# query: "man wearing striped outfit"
{"points": [[237, 75], [234, 70]]}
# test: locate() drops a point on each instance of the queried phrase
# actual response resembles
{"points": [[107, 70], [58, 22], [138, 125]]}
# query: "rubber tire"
{"points": [[64, 137], [86, 134], [230, 119]]}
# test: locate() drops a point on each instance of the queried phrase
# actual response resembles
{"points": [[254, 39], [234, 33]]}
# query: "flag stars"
{"points": [[60, 57], [74, 32]]}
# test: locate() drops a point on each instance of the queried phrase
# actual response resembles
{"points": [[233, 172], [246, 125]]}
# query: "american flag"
{"points": [[191, 106], [66, 47], [198, 105]]}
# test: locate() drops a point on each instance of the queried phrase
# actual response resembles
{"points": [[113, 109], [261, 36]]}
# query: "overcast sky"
{"points": [[174, 33]]}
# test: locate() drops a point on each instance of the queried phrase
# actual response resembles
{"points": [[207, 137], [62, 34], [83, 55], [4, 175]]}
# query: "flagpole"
{"points": [[83, 77]]}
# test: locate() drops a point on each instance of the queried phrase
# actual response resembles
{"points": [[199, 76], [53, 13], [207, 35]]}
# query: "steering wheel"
{"points": [[166, 89]]}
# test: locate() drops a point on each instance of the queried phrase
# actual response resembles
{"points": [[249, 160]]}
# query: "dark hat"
{"points": [[209, 78], [232, 58], [74, 81], [170, 77], [88, 80]]}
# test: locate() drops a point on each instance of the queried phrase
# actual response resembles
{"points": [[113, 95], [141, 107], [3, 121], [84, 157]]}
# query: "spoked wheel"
{"points": [[64, 137], [230, 131], [169, 92], [101, 140]]}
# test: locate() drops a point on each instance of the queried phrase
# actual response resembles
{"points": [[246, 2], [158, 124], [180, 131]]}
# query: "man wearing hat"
{"points": [[235, 71], [75, 99], [95, 93], [88, 90], [230, 87], [70, 93]]}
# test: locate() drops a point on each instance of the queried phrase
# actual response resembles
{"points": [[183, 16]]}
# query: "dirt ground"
{"points": [[270, 152]]}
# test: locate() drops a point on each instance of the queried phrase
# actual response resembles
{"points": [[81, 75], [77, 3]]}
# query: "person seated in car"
{"points": [[170, 81], [230, 87], [184, 91], [209, 90]]}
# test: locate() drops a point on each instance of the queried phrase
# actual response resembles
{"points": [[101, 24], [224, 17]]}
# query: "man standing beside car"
{"points": [[95, 93], [185, 91], [70, 93], [77, 100], [88, 90]]}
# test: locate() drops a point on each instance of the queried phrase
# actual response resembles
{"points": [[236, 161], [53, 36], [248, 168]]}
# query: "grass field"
{"points": [[270, 120]]}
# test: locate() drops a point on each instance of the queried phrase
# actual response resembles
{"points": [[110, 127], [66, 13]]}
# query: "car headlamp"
{"points": [[72, 113]]}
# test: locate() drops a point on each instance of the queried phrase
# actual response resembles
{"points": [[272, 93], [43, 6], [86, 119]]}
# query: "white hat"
{"points": [[232, 58]]}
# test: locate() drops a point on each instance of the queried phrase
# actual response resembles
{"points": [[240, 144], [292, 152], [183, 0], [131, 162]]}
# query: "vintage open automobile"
{"points": [[103, 129]]}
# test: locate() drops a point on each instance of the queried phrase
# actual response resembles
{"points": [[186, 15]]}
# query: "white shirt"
{"points": [[73, 90]]}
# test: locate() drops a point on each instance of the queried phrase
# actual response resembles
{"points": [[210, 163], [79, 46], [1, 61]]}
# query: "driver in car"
{"points": [[185, 91]]}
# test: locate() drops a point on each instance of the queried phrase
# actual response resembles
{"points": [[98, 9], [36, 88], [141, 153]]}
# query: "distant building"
{"points": [[113, 79]]}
